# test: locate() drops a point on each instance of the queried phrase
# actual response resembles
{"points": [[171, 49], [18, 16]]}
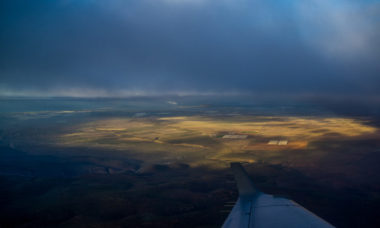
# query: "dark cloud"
{"points": [[159, 46]]}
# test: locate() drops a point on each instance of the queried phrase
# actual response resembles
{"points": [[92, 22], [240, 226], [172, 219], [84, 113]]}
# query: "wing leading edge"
{"points": [[255, 209]]}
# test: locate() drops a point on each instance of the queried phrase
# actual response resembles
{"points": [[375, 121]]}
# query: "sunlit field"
{"points": [[197, 140]]}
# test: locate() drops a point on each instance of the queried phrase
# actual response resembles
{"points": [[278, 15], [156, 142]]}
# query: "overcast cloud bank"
{"points": [[136, 47]]}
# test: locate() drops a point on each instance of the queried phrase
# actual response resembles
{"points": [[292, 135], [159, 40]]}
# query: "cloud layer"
{"points": [[189, 46]]}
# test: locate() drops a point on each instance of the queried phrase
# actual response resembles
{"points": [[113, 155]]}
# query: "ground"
{"points": [[104, 164]]}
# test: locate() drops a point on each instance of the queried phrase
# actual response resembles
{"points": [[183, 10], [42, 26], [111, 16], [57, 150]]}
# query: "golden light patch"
{"points": [[199, 140], [288, 127]]}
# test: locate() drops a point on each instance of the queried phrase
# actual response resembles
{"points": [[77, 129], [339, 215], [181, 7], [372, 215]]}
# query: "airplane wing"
{"points": [[255, 209]]}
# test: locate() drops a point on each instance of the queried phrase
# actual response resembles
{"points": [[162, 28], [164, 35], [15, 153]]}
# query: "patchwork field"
{"points": [[197, 140]]}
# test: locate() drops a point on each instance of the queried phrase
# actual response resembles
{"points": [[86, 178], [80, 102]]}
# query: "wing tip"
{"points": [[244, 183]]}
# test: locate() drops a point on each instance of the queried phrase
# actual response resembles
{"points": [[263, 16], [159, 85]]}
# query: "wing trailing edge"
{"points": [[255, 209]]}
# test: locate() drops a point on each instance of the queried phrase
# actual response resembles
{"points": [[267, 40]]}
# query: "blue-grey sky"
{"points": [[137, 47]]}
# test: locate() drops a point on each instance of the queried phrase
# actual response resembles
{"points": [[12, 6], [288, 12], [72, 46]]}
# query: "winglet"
{"points": [[244, 183]]}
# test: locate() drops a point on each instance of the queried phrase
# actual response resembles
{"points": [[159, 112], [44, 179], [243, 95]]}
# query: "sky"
{"points": [[151, 47]]}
